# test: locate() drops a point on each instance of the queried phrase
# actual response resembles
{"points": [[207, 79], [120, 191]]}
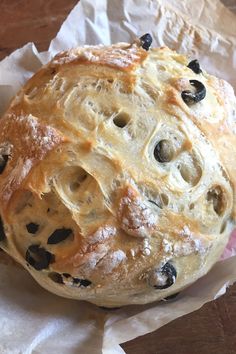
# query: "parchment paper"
{"points": [[35, 321]]}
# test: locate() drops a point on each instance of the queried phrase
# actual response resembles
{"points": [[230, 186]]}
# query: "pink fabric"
{"points": [[230, 249]]}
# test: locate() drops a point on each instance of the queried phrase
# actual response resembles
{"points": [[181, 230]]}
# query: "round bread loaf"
{"points": [[117, 173]]}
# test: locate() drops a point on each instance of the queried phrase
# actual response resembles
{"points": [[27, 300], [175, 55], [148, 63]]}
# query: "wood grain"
{"points": [[24, 21], [210, 330]]}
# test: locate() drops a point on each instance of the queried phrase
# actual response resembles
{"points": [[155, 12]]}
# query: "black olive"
{"points": [[85, 282], [3, 162], [194, 97], [195, 66], [163, 151], [146, 41], [171, 297], [66, 275], [56, 277], [82, 282], [32, 228], [59, 235], [2, 232], [163, 278], [38, 257]]}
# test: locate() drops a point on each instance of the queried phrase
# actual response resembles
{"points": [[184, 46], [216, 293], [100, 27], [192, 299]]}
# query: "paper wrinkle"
{"points": [[33, 321], [206, 13], [191, 299], [15, 70]]}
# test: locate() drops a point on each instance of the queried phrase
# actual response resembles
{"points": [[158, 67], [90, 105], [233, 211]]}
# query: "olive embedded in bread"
{"points": [[38, 257], [146, 41], [56, 277], [121, 179], [163, 151], [164, 277], [195, 66], [32, 228], [194, 97], [59, 235]]}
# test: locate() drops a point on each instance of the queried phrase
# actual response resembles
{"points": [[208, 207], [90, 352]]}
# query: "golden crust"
{"points": [[29, 141], [124, 57], [220, 131], [112, 215]]}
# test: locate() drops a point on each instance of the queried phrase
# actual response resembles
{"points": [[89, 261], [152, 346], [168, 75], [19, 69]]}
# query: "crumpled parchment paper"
{"points": [[33, 321]]}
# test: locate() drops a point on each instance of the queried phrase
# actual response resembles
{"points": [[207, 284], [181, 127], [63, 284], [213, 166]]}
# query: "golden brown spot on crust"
{"points": [[187, 145], [87, 145], [172, 97], [118, 164]]}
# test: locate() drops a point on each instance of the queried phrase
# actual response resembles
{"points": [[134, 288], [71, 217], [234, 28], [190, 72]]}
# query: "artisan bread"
{"points": [[117, 173]]}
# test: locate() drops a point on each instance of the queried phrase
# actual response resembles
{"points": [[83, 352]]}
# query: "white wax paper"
{"points": [[33, 321]]}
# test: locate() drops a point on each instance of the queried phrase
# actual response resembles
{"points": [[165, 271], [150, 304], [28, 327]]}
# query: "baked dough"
{"points": [[117, 181]]}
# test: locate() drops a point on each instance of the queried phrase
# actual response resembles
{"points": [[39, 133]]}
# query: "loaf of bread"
{"points": [[117, 173]]}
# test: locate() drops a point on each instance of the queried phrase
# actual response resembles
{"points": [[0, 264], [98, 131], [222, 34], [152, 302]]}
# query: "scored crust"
{"points": [[115, 189]]}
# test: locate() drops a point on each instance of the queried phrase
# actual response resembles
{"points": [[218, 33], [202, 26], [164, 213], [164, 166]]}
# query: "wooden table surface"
{"points": [[210, 330]]}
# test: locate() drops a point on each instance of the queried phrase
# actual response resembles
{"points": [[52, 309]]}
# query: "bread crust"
{"points": [[116, 190]]}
